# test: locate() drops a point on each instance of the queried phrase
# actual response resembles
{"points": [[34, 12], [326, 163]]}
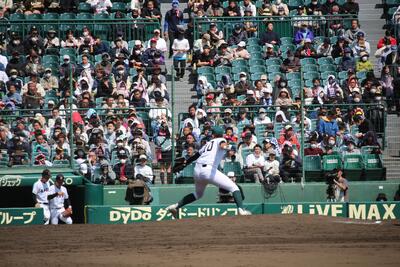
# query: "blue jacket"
{"points": [[325, 126]]}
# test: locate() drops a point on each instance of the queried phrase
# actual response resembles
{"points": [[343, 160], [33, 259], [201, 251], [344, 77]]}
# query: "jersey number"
{"points": [[210, 146]]}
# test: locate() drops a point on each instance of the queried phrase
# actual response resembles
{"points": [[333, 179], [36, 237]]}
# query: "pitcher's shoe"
{"points": [[173, 209], [243, 212]]}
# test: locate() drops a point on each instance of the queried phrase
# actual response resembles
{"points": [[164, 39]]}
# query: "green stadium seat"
{"points": [[272, 75], [286, 41], [84, 7], [273, 68], [210, 77], [308, 83], [273, 61], [330, 162], [222, 70], [293, 4], [34, 17], [308, 61], [239, 62], [338, 61], [255, 76], [310, 67], [313, 168], [374, 169], [326, 61], [51, 16], [118, 6], [252, 41], [186, 175], [61, 163], [234, 167], [353, 167], [254, 49], [50, 59], [258, 69], [334, 39], [327, 67], [17, 16], [342, 75], [239, 69], [294, 83], [368, 149], [293, 76], [324, 75], [287, 47], [205, 70], [256, 62], [311, 75]]}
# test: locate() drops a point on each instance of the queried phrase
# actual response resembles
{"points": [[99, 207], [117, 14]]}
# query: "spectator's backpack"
{"points": [[163, 143]]}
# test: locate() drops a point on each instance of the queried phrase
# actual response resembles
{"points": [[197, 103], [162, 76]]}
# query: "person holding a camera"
{"points": [[338, 189]]}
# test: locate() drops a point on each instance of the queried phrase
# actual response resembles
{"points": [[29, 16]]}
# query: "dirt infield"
{"points": [[224, 241]]}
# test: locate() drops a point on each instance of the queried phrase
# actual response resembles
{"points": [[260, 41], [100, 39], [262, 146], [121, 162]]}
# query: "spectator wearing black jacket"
{"points": [[16, 63], [237, 36], [151, 12], [124, 170], [351, 7], [15, 44], [173, 18], [269, 36], [233, 10]]}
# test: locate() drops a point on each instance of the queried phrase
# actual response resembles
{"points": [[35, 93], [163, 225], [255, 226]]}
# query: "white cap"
{"points": [[242, 73], [231, 174], [138, 42], [228, 110], [241, 44], [264, 77], [269, 46], [261, 110], [66, 57], [249, 92], [143, 156]]}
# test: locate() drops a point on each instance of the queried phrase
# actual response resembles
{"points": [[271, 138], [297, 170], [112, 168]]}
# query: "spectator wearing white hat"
{"points": [[269, 52], [266, 98], [241, 52], [49, 81], [161, 44], [143, 169], [243, 85], [262, 118]]}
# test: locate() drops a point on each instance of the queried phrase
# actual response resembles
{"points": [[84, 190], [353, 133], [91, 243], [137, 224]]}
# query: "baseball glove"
{"points": [[179, 165], [67, 213]]}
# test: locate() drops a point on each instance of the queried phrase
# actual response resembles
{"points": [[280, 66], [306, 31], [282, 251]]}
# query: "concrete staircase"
{"points": [[391, 156]]}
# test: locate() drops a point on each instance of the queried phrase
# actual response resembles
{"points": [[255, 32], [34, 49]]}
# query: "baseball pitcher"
{"points": [[206, 172]]}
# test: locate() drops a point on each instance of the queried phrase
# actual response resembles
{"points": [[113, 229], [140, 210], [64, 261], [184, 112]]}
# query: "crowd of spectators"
{"points": [[120, 99]]}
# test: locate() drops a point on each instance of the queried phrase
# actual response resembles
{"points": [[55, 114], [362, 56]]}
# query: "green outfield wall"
{"points": [[138, 214], [254, 193], [21, 216]]}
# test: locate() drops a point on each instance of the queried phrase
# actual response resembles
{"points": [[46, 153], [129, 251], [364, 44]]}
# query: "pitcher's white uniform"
{"points": [[206, 169], [57, 205], [41, 190]]}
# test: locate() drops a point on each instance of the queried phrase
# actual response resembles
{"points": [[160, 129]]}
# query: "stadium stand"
{"points": [[86, 86]]}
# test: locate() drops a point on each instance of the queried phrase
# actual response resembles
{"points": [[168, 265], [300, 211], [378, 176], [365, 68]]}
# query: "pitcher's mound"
{"points": [[261, 240]]}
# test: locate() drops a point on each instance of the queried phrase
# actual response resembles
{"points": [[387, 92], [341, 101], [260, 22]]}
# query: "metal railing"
{"points": [[284, 26], [106, 28]]}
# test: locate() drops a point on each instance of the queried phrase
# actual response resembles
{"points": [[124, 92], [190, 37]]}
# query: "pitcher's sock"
{"points": [[238, 198], [186, 200]]}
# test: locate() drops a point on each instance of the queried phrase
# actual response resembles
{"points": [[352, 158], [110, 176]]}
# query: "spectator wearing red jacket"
{"points": [[288, 136], [385, 40]]}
